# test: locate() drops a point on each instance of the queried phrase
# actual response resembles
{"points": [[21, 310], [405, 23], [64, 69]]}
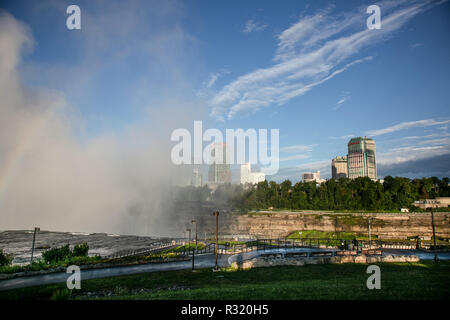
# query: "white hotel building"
{"points": [[247, 176]]}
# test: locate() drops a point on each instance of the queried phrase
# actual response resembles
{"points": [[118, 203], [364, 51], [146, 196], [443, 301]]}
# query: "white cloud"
{"points": [[415, 45], [410, 153], [295, 157], [406, 125], [298, 148], [341, 101], [252, 26], [310, 52], [346, 137], [345, 97], [212, 79]]}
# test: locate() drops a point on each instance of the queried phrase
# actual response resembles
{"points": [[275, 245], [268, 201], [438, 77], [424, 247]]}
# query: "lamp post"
{"points": [[216, 214], [36, 229], [434, 234], [195, 223], [193, 250]]}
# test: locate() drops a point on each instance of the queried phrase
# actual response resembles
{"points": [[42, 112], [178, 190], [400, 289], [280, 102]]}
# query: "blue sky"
{"points": [[309, 68]]}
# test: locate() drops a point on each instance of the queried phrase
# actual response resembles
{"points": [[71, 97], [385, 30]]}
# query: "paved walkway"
{"points": [[202, 261]]}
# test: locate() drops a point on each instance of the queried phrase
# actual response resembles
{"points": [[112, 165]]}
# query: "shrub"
{"points": [[39, 264], [5, 259], [56, 254], [81, 250]]}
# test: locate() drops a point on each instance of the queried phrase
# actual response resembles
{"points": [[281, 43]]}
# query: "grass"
{"points": [[185, 248], [314, 234], [40, 264], [424, 280]]}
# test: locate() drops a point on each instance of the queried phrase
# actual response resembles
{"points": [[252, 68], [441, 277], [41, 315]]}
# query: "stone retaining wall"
{"points": [[301, 261], [384, 225]]}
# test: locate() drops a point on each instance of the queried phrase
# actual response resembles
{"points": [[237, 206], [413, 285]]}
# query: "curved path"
{"points": [[201, 261]]}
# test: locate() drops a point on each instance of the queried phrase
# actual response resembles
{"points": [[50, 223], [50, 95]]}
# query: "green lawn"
{"points": [[423, 280], [314, 234]]}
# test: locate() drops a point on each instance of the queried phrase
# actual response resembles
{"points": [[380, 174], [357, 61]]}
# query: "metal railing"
{"points": [[268, 244], [144, 251], [324, 243]]}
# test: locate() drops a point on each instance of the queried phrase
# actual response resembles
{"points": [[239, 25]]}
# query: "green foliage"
{"points": [[11, 269], [361, 194], [187, 247], [314, 234], [81, 250], [55, 255], [62, 294], [5, 258]]}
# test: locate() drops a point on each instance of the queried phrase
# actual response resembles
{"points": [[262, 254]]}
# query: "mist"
{"points": [[54, 176]]}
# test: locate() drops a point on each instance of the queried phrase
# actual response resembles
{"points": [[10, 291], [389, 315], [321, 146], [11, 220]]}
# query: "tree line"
{"points": [[343, 194]]}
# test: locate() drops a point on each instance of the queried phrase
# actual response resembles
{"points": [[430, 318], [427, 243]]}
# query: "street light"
{"points": [[193, 251], [195, 222], [36, 229], [216, 214], [434, 234]]}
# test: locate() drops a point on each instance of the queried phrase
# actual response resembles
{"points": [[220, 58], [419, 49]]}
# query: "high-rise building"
{"points": [[219, 172], [247, 176], [361, 158], [339, 167], [312, 176], [196, 178]]}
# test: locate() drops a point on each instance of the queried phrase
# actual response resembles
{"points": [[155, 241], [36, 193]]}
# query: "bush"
{"points": [[81, 250], [5, 259], [56, 254]]}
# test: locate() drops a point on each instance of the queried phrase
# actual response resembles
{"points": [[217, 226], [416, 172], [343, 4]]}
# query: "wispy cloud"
{"points": [[342, 100], [415, 45], [253, 26], [295, 157], [406, 125], [298, 148], [345, 97], [348, 136], [309, 53], [212, 79], [410, 153], [301, 152]]}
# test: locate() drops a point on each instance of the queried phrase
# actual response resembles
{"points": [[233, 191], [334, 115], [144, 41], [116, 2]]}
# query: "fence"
{"points": [[156, 247], [343, 244], [267, 244]]}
